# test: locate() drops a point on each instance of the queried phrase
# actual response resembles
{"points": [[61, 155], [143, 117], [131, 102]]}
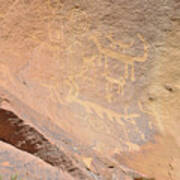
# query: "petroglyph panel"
{"points": [[97, 80], [96, 76], [93, 85], [90, 73]]}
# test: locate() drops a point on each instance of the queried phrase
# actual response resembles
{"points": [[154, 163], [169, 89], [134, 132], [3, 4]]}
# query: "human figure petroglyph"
{"points": [[127, 60]]}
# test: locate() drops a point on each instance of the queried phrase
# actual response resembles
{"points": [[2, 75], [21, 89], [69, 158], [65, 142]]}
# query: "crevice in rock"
{"points": [[142, 178], [14, 131], [111, 167]]}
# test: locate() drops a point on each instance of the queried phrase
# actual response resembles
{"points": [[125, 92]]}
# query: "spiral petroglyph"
{"points": [[79, 21]]}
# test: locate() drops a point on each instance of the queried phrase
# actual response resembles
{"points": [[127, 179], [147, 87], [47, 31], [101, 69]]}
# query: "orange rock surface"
{"points": [[90, 89]]}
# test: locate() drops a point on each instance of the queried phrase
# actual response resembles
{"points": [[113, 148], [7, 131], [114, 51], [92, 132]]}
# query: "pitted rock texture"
{"points": [[98, 80]]}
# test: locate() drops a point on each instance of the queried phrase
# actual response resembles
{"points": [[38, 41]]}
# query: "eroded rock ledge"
{"points": [[15, 132]]}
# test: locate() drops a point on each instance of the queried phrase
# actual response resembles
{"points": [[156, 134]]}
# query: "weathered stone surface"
{"points": [[99, 80], [17, 163]]}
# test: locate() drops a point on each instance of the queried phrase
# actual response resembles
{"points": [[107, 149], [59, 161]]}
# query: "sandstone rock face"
{"points": [[24, 166], [90, 89]]}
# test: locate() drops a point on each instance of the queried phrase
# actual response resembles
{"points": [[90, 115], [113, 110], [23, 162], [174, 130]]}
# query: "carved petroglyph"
{"points": [[91, 107], [120, 83], [114, 86], [95, 61], [100, 113], [99, 125], [110, 83], [127, 60], [48, 18], [78, 21]]}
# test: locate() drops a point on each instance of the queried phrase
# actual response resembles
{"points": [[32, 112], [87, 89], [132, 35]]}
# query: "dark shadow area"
{"points": [[14, 131], [142, 178]]}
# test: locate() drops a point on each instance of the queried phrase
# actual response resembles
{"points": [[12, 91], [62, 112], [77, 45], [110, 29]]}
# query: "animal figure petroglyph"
{"points": [[102, 112], [110, 81], [123, 58]]}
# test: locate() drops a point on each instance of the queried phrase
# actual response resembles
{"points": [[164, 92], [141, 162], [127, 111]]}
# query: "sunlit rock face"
{"points": [[98, 78]]}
